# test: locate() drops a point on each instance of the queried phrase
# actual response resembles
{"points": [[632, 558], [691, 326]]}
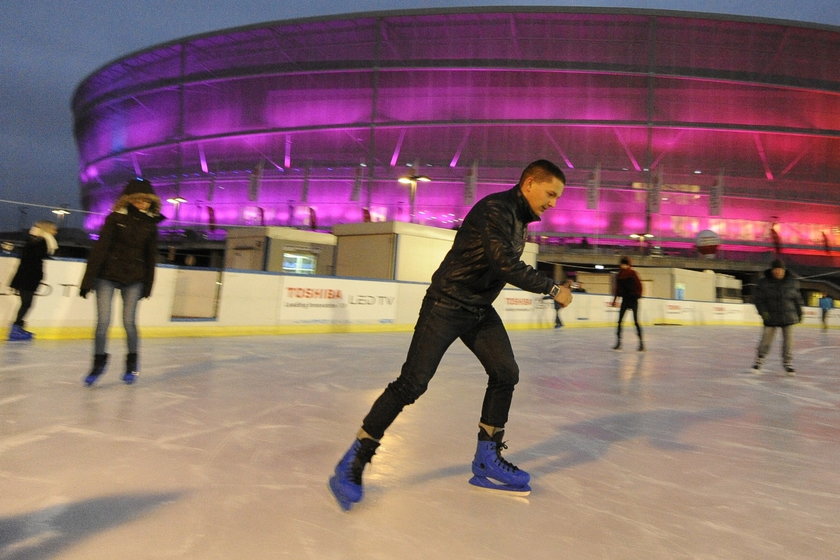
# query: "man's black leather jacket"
{"points": [[486, 254]]}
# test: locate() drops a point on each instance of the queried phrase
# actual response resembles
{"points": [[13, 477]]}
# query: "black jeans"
{"points": [[631, 304], [439, 324]]}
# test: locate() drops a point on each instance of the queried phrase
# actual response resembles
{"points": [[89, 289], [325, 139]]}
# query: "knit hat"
{"points": [[777, 263], [142, 188], [138, 186]]}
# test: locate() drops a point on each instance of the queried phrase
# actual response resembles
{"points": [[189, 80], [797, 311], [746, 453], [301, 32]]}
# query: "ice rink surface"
{"points": [[223, 448]]}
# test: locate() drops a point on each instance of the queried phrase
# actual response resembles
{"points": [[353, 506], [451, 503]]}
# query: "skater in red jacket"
{"points": [[628, 287]]}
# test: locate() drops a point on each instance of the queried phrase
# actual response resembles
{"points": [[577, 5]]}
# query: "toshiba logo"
{"points": [[313, 293]]}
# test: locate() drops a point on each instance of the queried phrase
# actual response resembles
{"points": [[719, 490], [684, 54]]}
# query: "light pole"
{"points": [[642, 237], [61, 213], [412, 181], [176, 202]]}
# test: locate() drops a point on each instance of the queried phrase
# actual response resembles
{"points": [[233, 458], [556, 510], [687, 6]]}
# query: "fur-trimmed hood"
{"points": [[138, 188], [124, 201]]}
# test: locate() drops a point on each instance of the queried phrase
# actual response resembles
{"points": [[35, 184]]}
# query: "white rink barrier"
{"points": [[202, 302]]}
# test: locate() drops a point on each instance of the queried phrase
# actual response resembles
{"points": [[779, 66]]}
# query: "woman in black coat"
{"points": [[40, 245], [123, 259]]}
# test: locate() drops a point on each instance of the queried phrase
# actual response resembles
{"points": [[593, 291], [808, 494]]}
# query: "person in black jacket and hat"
{"points": [[779, 302], [124, 259], [485, 255]]}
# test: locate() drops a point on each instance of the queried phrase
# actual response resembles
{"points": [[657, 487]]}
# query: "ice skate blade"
{"points": [[487, 484], [90, 380], [17, 338], [344, 503]]}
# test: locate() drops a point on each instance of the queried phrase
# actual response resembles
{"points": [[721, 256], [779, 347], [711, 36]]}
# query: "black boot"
{"points": [[617, 344], [131, 370], [99, 363]]}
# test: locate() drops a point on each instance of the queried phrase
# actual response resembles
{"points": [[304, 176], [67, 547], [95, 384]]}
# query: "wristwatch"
{"points": [[555, 289]]}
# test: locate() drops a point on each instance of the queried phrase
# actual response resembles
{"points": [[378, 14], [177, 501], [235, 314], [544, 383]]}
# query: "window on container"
{"points": [[299, 263]]}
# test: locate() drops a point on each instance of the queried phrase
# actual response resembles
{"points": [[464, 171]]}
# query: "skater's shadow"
{"points": [[45, 533], [590, 440]]}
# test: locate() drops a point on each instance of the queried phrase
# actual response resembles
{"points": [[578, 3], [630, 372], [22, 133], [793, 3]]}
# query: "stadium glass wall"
{"points": [[666, 123]]}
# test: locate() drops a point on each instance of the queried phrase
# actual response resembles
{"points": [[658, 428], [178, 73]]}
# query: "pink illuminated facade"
{"points": [[665, 123]]}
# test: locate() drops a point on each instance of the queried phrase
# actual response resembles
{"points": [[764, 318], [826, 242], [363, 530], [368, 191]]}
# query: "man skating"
{"points": [[485, 255], [779, 302]]}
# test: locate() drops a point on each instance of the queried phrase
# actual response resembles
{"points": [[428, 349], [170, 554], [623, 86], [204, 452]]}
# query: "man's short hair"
{"points": [[542, 170]]}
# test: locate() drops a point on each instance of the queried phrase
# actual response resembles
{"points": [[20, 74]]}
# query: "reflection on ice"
{"points": [[223, 448]]}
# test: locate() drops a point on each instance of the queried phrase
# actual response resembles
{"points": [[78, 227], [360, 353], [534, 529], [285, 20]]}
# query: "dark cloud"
{"points": [[47, 47]]}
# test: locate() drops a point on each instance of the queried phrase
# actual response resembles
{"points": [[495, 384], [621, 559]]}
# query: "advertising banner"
{"points": [[516, 306], [307, 300]]}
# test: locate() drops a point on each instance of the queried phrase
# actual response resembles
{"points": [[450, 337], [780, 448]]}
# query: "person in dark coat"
{"points": [[40, 245], [779, 302], [123, 259], [485, 255], [628, 287]]}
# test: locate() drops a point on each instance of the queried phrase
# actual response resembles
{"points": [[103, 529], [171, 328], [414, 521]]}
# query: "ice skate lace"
{"points": [[358, 465], [356, 474], [507, 465]]}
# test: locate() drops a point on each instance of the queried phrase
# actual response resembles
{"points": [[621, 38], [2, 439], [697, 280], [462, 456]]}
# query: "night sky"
{"points": [[47, 47]]}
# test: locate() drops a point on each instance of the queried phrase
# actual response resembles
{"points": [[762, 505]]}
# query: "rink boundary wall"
{"points": [[184, 303]]}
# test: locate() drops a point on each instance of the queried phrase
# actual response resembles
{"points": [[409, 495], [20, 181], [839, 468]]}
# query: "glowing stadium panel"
{"points": [[258, 125]]}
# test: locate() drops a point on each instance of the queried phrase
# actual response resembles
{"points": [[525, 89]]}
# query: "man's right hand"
{"points": [[564, 296]]}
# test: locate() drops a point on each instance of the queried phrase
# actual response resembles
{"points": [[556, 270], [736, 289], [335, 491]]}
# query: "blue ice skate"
{"points": [[99, 363], [18, 334], [346, 483], [131, 370], [492, 471]]}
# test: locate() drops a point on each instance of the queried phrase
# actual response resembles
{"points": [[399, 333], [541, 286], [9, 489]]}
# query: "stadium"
{"points": [[691, 142], [668, 125]]}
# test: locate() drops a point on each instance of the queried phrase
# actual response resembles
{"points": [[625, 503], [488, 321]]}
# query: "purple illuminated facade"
{"points": [[665, 123]]}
